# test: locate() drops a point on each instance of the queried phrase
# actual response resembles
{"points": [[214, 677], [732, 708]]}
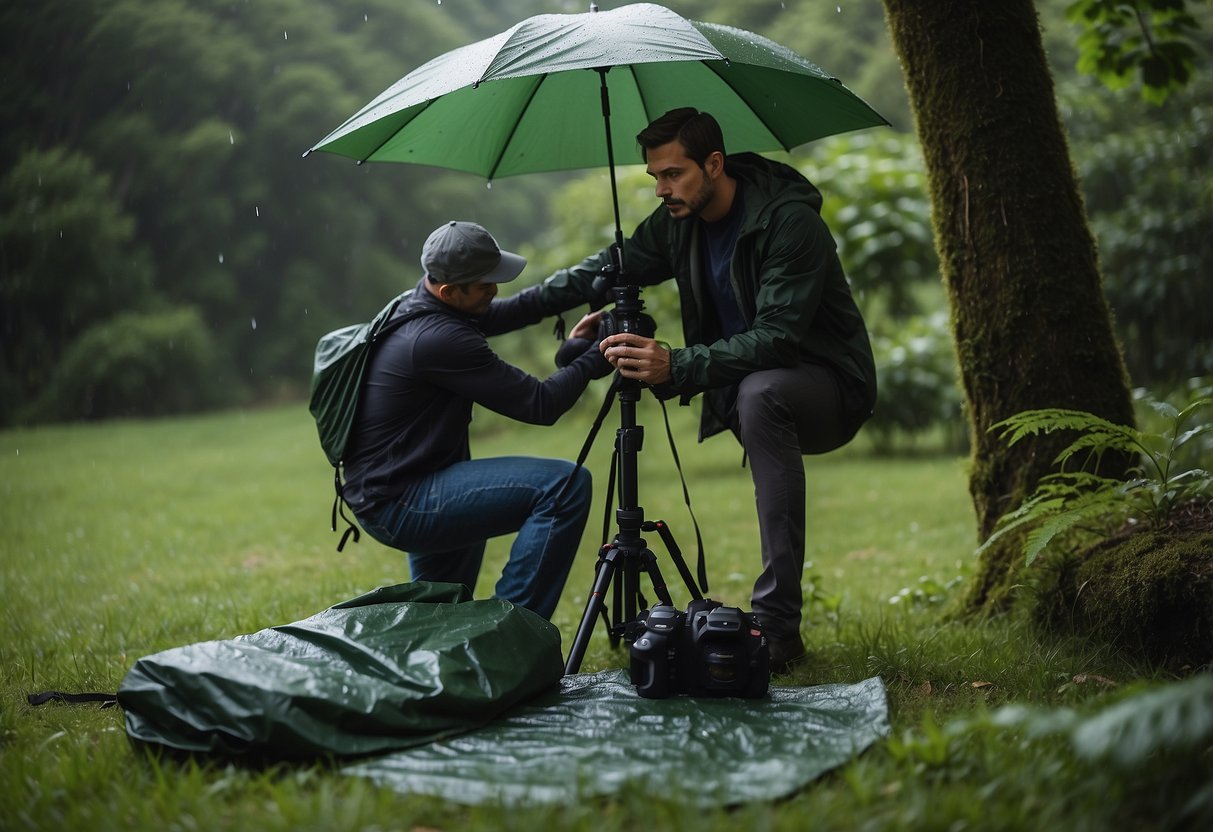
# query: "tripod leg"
{"points": [[593, 606], [659, 588]]}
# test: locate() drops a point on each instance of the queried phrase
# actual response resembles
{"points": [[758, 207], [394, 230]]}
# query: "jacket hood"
{"points": [[776, 183]]}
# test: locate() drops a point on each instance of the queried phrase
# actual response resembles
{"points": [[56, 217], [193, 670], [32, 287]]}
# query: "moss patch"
{"points": [[1149, 592]]}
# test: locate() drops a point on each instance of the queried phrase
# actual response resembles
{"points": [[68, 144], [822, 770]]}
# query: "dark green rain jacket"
{"points": [[786, 277]]}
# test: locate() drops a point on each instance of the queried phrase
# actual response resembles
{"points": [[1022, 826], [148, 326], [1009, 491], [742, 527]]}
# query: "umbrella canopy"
{"points": [[533, 98]]}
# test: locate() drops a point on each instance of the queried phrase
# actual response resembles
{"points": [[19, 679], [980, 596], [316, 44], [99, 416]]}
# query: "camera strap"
{"points": [[686, 496], [607, 401]]}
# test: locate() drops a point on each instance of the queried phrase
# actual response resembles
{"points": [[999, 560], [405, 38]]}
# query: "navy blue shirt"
{"points": [[421, 384], [718, 240]]}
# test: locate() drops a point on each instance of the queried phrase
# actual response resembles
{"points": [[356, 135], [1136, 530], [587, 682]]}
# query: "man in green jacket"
{"points": [[773, 337]]}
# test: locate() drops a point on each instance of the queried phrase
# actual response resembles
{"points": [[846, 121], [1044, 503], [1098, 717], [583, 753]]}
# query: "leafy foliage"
{"points": [[875, 203], [1072, 499], [136, 363], [1150, 208], [1153, 734], [1124, 38], [916, 380], [69, 258]]}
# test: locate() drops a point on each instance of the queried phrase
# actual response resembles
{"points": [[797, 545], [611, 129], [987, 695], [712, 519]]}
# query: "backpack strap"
{"points": [[390, 322], [339, 505]]}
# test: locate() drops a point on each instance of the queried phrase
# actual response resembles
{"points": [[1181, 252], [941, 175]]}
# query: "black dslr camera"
{"points": [[710, 650], [627, 315], [609, 324]]}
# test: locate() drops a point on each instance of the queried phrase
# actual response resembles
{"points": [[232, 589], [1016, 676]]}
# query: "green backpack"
{"points": [[337, 372]]}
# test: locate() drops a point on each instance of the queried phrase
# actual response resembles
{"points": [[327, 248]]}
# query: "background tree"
{"points": [[70, 260], [1030, 321]]}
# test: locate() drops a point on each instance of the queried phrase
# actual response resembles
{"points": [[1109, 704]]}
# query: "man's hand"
{"points": [[635, 356], [587, 327]]}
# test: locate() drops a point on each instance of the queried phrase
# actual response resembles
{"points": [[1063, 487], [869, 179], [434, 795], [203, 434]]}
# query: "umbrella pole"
{"points": [[610, 149]]}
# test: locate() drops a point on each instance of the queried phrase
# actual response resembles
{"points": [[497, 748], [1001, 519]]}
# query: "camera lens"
{"points": [[721, 666]]}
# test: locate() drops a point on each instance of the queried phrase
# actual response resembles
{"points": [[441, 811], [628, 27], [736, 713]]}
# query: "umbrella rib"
{"points": [[394, 133], [725, 81], [644, 104], [514, 128]]}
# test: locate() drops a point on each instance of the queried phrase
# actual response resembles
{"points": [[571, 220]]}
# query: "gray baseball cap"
{"points": [[463, 252]]}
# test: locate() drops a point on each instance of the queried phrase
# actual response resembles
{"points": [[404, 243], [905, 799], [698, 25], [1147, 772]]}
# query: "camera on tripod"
{"points": [[710, 650], [626, 316]]}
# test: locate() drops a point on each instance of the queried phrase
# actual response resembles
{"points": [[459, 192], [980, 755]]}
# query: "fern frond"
{"points": [[1098, 442], [1100, 506], [1042, 535], [1047, 420], [1030, 512], [1085, 501], [1074, 483]]}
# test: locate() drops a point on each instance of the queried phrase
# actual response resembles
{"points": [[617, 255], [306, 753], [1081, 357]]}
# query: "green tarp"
{"points": [[596, 737], [395, 667]]}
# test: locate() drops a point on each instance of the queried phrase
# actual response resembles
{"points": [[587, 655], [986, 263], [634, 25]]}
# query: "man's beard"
{"points": [[699, 201]]}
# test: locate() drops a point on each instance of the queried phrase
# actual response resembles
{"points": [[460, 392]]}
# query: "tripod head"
{"points": [[627, 315]]}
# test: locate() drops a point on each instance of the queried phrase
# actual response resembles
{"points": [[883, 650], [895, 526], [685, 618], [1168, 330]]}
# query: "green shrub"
{"points": [[149, 364], [916, 383]]}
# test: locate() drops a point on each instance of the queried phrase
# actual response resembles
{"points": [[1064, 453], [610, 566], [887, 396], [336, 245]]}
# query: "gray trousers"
{"points": [[783, 414]]}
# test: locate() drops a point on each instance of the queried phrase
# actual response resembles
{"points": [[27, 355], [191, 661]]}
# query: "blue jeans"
{"points": [[444, 520]]}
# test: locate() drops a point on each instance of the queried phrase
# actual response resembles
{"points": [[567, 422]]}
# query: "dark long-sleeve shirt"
{"points": [[421, 383]]}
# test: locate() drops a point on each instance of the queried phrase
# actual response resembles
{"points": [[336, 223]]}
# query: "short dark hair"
{"points": [[697, 132]]}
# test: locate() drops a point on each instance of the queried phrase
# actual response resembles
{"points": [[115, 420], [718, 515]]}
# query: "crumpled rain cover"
{"points": [[393, 668], [596, 737]]}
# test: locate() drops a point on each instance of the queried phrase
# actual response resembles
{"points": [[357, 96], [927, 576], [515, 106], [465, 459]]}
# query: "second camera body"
{"points": [[709, 650]]}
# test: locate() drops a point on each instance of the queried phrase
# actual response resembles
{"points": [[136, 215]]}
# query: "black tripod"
{"points": [[621, 562]]}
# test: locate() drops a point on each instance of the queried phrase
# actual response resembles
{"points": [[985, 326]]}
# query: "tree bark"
{"points": [[1031, 324]]}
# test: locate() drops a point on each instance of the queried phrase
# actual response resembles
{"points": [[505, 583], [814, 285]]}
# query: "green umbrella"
{"points": [[534, 98]]}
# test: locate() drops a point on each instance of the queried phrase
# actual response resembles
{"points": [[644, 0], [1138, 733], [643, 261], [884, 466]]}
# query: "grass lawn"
{"points": [[127, 538]]}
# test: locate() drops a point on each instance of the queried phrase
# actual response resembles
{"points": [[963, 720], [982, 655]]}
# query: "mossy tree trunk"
{"points": [[1031, 324]]}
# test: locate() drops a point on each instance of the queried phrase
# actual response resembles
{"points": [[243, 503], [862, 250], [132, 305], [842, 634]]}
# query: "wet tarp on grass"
{"points": [[433, 693], [392, 668], [596, 737]]}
